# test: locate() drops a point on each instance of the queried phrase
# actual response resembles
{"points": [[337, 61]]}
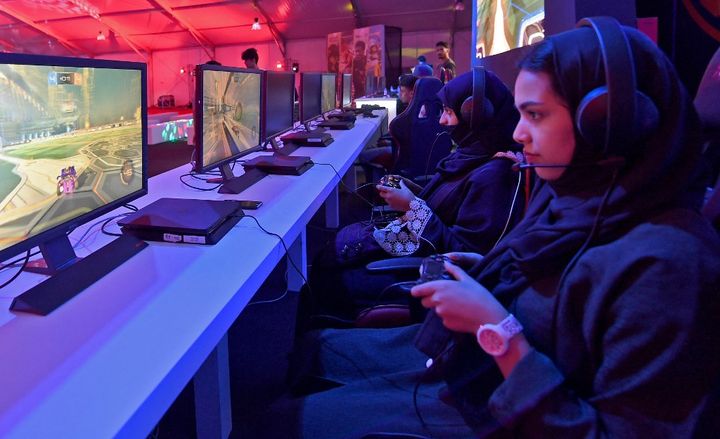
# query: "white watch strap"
{"points": [[509, 327]]}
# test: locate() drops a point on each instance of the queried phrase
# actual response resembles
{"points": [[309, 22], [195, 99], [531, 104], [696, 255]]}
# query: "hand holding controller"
{"points": [[433, 268], [392, 181], [433, 337]]}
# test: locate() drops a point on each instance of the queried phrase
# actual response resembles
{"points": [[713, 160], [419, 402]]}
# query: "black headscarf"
{"points": [[477, 145], [562, 213]]}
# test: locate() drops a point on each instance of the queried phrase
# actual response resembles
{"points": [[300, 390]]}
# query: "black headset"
{"points": [[607, 117], [477, 109]]}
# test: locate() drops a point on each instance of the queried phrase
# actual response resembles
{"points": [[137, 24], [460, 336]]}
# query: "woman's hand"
{"points": [[462, 304], [414, 187], [397, 199], [464, 259]]}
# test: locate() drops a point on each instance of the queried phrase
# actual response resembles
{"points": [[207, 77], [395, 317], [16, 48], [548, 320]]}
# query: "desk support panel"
{"points": [[212, 394]]}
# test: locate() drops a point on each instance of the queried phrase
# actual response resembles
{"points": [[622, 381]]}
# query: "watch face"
{"points": [[492, 342]]}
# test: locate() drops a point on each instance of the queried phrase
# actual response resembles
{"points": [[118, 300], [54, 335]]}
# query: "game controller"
{"points": [[433, 268], [390, 181], [433, 337]]}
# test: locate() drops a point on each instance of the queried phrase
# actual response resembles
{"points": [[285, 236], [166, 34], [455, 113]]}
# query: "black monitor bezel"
{"points": [[267, 135], [69, 225], [334, 82], [346, 77], [304, 117], [199, 166]]}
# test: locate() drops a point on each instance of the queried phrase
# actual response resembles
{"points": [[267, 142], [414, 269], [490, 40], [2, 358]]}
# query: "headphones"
{"points": [[477, 109], [608, 117]]}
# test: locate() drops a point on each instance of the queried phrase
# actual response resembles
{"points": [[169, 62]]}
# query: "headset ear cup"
{"points": [[647, 116], [466, 110], [488, 111], [591, 117]]}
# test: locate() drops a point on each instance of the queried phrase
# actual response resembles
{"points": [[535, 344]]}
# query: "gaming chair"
{"points": [[706, 104], [416, 146]]}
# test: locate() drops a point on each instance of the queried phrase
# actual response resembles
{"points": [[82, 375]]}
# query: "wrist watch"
{"points": [[495, 339]]}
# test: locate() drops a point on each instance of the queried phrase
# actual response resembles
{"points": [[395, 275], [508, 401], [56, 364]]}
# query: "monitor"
{"points": [[279, 101], [72, 147], [328, 97], [522, 24], [227, 119], [346, 99], [310, 89]]}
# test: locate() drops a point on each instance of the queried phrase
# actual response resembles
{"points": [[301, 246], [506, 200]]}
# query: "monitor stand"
{"points": [[287, 149], [71, 275], [309, 130], [234, 185], [57, 254]]}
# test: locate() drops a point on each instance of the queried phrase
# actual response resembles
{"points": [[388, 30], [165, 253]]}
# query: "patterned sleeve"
{"points": [[402, 236]]}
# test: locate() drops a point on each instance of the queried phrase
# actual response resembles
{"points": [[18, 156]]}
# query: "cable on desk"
{"points": [[15, 276], [195, 187], [353, 191], [287, 255]]}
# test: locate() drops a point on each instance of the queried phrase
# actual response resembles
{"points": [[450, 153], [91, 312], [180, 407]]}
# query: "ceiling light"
{"points": [[100, 36], [459, 5], [256, 24]]}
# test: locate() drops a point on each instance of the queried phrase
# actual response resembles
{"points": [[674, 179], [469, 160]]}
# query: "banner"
{"points": [[360, 52]]}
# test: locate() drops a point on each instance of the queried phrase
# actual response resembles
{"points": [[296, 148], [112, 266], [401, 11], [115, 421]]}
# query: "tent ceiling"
{"points": [[71, 27]]}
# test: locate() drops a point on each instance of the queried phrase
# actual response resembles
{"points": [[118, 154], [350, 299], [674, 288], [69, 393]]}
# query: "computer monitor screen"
{"points": [[72, 144], [346, 89], [279, 100], [227, 114], [501, 26], [310, 89], [328, 98]]}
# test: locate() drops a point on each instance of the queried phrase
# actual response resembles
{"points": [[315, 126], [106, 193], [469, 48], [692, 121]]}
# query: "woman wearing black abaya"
{"points": [[464, 207], [613, 276]]}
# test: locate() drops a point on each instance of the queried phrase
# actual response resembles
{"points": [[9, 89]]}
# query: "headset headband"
{"points": [[619, 77]]}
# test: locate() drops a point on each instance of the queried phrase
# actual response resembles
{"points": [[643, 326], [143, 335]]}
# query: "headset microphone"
{"points": [[613, 162]]}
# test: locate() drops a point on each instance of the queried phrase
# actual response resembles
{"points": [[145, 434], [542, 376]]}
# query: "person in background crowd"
{"points": [[251, 58], [446, 69]]}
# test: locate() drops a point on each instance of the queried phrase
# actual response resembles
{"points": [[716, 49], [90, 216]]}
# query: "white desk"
{"points": [[112, 360], [384, 101]]}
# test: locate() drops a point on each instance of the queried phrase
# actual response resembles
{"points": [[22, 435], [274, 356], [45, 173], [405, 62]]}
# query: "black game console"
{"points": [[345, 115], [337, 124], [181, 220], [308, 139], [280, 164]]}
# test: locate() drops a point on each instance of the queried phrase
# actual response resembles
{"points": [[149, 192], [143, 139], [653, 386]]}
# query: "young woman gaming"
{"points": [[465, 206], [612, 277]]}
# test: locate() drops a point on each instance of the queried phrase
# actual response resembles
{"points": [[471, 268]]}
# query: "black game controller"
{"points": [[433, 268], [390, 181], [433, 338]]}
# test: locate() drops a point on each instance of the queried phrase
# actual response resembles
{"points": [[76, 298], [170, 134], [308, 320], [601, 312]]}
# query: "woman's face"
{"points": [[546, 128], [448, 117]]}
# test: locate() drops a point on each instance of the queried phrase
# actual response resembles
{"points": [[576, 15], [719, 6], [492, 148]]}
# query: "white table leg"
{"points": [[332, 209], [298, 254], [212, 394]]}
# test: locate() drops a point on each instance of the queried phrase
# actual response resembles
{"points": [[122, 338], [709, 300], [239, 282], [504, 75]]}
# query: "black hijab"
{"points": [[657, 177], [477, 145]]}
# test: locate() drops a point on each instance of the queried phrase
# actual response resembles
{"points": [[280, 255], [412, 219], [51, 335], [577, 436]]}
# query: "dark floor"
{"points": [[261, 338]]}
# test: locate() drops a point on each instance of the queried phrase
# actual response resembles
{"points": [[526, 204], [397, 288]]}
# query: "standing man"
{"points": [[446, 69], [251, 58]]}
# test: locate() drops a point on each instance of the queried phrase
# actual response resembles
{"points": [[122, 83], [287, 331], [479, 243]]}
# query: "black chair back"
{"points": [[706, 104], [418, 145]]}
